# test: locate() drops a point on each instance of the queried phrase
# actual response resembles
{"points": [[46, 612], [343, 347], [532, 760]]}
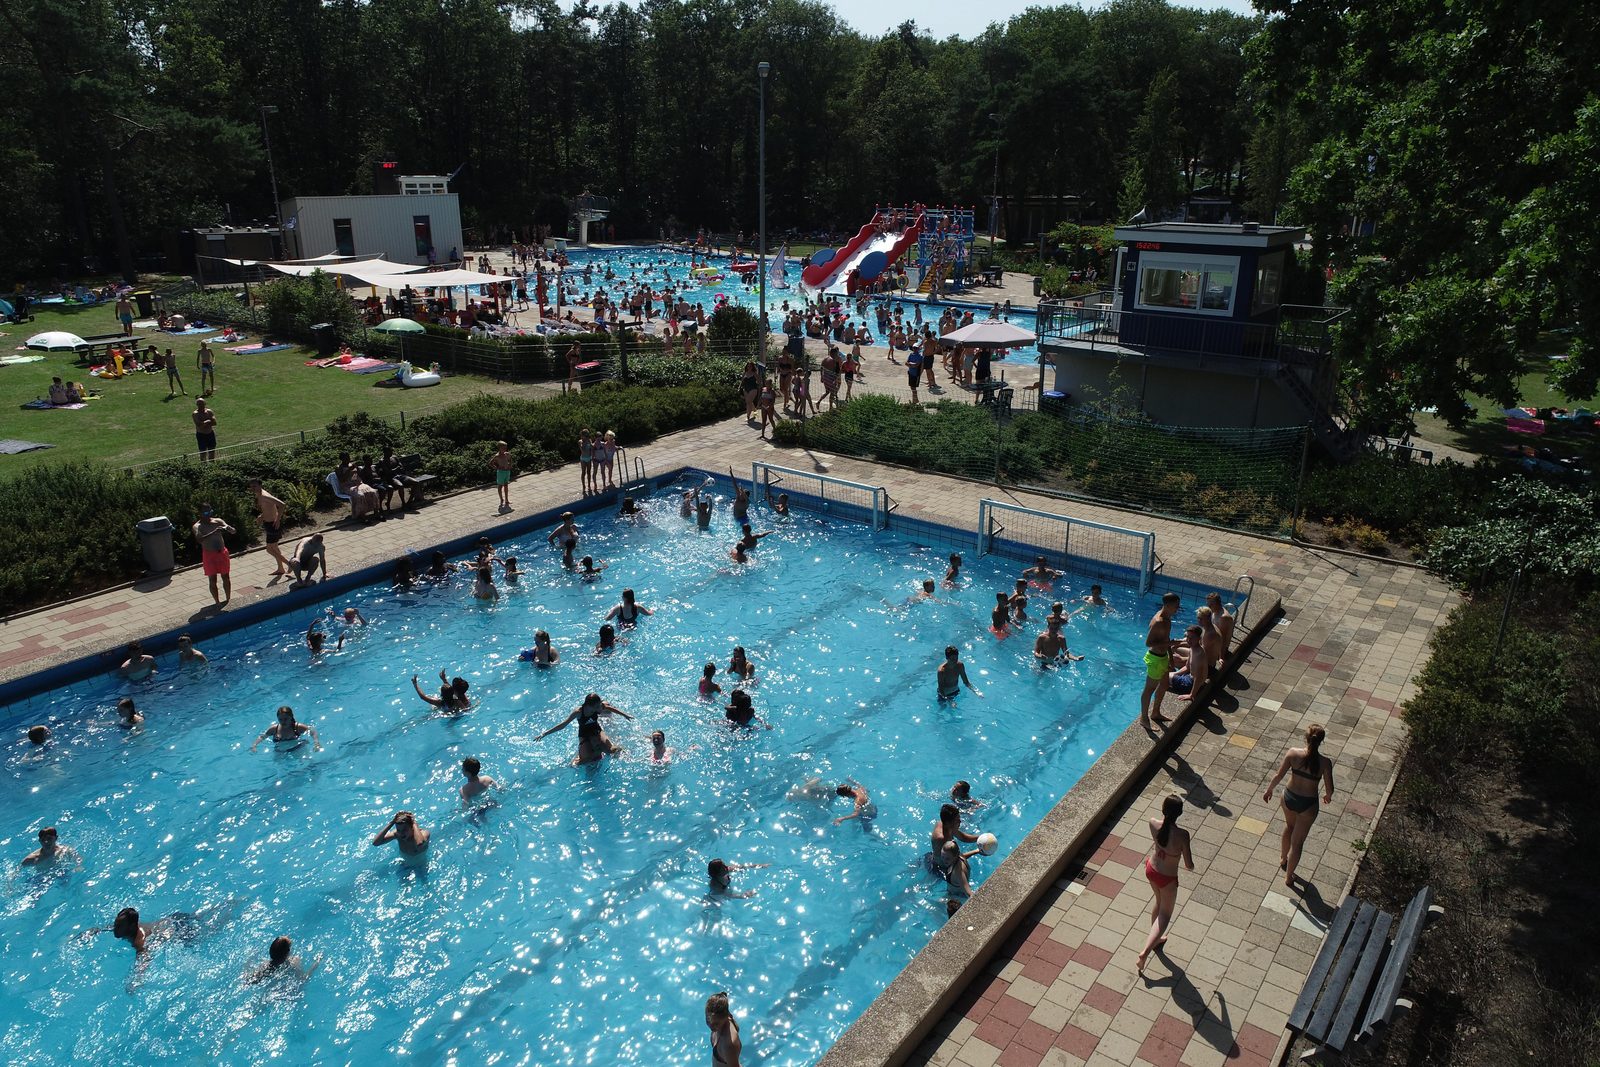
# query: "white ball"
{"points": [[987, 843]]}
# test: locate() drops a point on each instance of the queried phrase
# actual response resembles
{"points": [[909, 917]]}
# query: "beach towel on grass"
{"points": [[256, 349], [11, 446], [191, 330], [45, 405], [145, 324], [1528, 426], [11, 361], [371, 367], [360, 363], [323, 363]]}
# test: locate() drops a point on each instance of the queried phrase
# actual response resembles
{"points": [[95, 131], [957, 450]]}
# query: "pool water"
{"points": [[570, 923], [658, 266]]}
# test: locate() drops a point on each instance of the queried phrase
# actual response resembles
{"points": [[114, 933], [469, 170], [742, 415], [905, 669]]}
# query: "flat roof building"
{"points": [[419, 224]]}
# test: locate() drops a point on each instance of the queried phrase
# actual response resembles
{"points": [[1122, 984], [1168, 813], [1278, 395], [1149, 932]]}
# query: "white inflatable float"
{"points": [[412, 378]]}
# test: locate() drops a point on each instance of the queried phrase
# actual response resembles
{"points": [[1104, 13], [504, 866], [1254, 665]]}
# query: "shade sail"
{"points": [[361, 268], [454, 278]]}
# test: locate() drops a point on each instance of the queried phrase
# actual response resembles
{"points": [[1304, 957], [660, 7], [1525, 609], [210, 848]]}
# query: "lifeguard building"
{"points": [[1196, 334]]}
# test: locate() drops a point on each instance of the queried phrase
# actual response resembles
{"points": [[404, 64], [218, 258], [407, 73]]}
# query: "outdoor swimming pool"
{"points": [[570, 923], [635, 266]]}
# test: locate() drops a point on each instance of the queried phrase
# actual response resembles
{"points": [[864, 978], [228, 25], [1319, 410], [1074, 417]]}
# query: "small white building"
{"points": [[420, 224]]}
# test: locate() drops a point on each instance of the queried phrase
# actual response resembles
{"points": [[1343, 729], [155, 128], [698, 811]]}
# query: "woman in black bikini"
{"points": [[1161, 868], [1306, 767], [627, 613], [749, 387], [592, 740]]}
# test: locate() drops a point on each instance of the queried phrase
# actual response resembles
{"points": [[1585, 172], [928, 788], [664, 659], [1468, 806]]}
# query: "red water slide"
{"points": [[820, 276]]}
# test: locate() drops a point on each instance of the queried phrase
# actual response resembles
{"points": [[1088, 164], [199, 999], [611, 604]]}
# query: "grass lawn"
{"points": [[257, 397], [1486, 432]]}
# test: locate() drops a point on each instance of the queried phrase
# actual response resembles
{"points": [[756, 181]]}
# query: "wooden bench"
{"points": [[1353, 989]]}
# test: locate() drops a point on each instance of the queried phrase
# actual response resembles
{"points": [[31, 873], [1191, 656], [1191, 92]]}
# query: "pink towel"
{"points": [[1528, 426]]}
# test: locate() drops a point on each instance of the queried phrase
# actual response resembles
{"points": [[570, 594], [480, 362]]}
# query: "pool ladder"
{"points": [[1247, 583], [633, 480]]}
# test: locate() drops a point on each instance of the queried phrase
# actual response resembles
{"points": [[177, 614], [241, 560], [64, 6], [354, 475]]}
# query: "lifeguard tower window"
{"points": [[1173, 282], [1269, 283], [344, 237]]}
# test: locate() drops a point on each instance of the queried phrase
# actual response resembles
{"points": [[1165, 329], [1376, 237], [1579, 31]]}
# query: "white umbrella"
{"points": [[991, 335], [56, 341]]}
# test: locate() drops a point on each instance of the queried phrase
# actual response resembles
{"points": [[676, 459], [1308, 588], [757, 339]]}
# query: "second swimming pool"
{"points": [[571, 921]]}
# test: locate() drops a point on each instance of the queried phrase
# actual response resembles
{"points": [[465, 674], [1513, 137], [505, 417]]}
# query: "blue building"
{"points": [[1195, 333]]}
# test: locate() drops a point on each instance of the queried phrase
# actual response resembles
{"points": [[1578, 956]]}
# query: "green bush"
{"points": [[294, 305], [1399, 497], [1523, 524], [217, 308]]}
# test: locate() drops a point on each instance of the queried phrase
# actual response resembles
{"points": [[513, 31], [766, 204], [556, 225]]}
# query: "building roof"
{"points": [[1211, 234]]}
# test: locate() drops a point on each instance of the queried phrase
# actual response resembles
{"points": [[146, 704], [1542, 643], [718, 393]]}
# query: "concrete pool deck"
{"points": [[1063, 990]]}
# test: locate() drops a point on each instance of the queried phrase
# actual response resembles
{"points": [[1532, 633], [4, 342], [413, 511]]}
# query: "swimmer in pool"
{"points": [[1058, 614], [588, 569], [282, 963], [477, 783], [720, 875], [1041, 572], [750, 538], [627, 613], [484, 588], [592, 740], [404, 831], [961, 796], [50, 853], [1019, 601], [947, 828], [741, 499], [1000, 617], [543, 653], [702, 512], [708, 682], [630, 510], [741, 665], [865, 810], [691, 497], [926, 593], [741, 712], [350, 617], [287, 731], [316, 639], [128, 715], [567, 534], [608, 640], [659, 752], [1051, 647], [138, 666], [957, 874], [738, 553], [187, 653], [952, 576], [452, 693], [39, 734], [510, 569], [781, 505], [953, 675], [1094, 598]]}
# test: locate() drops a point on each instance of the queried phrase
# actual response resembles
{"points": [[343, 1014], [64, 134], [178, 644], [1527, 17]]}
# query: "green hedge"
{"points": [[1402, 498], [71, 526]]}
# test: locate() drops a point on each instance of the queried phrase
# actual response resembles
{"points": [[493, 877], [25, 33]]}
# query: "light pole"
{"points": [[994, 190], [266, 132], [762, 69]]}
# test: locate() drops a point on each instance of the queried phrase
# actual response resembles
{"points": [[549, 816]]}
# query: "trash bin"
{"points": [[155, 538], [326, 340], [1038, 286], [146, 302], [1053, 401]]}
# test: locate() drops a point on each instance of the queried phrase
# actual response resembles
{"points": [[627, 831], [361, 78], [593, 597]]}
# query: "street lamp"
{"points": [[994, 190], [266, 132], [762, 70]]}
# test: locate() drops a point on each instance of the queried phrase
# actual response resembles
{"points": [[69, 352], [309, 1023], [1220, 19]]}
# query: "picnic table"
{"points": [[103, 346]]}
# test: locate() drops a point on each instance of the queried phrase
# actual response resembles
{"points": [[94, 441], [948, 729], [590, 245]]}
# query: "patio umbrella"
{"points": [[6, 308], [399, 326], [56, 341], [991, 335]]}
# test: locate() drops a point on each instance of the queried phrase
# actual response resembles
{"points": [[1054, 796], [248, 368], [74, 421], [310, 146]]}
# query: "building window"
{"points": [[1269, 283], [344, 237], [422, 226], [1176, 282]]}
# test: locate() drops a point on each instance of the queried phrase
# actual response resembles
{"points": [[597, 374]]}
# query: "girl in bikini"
{"points": [[1161, 868], [586, 460], [1306, 767]]}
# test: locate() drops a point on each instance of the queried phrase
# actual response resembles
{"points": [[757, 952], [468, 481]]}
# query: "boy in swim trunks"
{"points": [[501, 463], [214, 552], [270, 510], [1157, 662], [953, 675]]}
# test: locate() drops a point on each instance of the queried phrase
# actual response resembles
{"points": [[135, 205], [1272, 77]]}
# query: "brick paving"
{"points": [[1064, 991]]}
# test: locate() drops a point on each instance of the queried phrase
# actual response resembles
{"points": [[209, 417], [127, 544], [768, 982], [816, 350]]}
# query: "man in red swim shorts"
{"points": [[214, 552]]}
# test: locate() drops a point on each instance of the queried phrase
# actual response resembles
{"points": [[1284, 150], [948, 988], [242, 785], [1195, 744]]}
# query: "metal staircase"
{"points": [[1333, 433]]}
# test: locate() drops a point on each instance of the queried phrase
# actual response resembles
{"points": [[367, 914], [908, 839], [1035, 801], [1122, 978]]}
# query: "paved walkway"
{"points": [[1065, 991]]}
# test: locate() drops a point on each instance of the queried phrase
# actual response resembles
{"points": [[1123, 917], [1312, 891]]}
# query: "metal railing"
{"points": [[1301, 335]]}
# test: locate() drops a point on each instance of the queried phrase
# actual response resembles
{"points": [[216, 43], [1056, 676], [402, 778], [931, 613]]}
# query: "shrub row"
{"points": [[71, 526], [1405, 500]]}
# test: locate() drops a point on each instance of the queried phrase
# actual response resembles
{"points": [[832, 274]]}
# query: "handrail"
{"points": [[1244, 605]]}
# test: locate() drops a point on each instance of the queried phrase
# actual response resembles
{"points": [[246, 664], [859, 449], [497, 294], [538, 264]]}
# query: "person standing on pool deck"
{"points": [[1161, 868], [501, 463], [1223, 619], [214, 560], [269, 509], [725, 1043], [953, 675], [404, 831], [125, 315], [205, 430], [1307, 767], [206, 360], [1157, 658]]}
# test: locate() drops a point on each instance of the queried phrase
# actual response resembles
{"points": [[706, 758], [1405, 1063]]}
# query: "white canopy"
{"points": [[991, 335], [361, 268], [453, 278]]}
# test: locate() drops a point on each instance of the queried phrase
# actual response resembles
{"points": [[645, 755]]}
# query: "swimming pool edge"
{"points": [[891, 1029]]}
